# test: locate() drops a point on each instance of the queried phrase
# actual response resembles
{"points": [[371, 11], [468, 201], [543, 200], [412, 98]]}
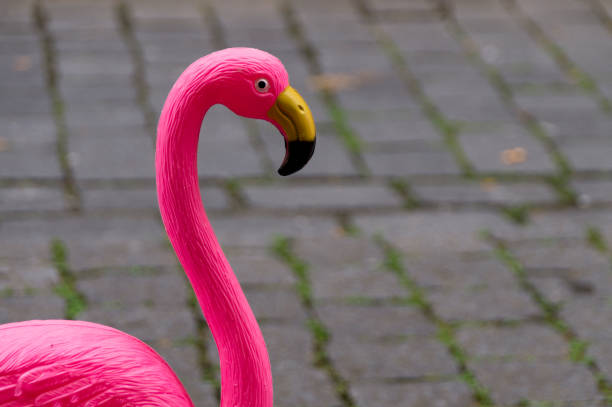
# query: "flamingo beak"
{"points": [[292, 116]]}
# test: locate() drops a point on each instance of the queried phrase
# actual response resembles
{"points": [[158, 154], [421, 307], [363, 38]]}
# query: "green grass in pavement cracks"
{"points": [[577, 348], [569, 67], [352, 142], [403, 189], [537, 403], [565, 193], [232, 187], [596, 239], [282, 248], [446, 331], [518, 214], [560, 182], [7, 292], [347, 226], [350, 139], [47, 45], [539, 132], [598, 242], [74, 301]]}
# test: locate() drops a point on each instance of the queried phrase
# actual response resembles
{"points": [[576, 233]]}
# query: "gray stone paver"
{"points": [[432, 232], [29, 159], [594, 192], [32, 199], [393, 360], [519, 342], [483, 303], [404, 163], [384, 345], [24, 307], [441, 394], [486, 192], [142, 321], [589, 315], [487, 150], [356, 273], [375, 323], [255, 266], [326, 197], [470, 289], [393, 126], [555, 381]]}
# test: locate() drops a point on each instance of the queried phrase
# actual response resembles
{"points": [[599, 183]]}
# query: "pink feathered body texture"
{"points": [[77, 363], [60, 363]]}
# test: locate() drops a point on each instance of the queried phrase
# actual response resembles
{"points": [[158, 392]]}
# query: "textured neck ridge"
{"points": [[246, 379]]}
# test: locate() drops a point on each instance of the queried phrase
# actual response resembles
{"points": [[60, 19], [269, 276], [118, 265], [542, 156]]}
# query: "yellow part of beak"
{"points": [[293, 114]]}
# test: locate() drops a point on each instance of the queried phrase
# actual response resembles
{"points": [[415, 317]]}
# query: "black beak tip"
{"points": [[297, 155]]}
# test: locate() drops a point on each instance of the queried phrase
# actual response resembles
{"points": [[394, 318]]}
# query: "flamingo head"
{"points": [[255, 84]]}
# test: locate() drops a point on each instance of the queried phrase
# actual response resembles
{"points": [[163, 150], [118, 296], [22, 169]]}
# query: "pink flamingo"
{"points": [[75, 363]]}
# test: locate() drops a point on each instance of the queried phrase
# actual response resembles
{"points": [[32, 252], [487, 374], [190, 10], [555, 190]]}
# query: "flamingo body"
{"points": [[56, 363], [76, 363]]}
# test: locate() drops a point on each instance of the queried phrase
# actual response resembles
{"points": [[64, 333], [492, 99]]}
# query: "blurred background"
{"points": [[447, 245]]}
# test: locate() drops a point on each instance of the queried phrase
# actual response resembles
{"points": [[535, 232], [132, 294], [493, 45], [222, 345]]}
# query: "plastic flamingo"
{"points": [[75, 363]]}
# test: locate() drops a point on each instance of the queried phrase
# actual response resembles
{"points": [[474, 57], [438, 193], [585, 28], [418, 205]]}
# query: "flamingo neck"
{"points": [[246, 379]]}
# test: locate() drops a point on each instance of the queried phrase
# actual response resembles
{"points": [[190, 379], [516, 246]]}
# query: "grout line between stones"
{"points": [[233, 189], [49, 58], [560, 181], [602, 14], [406, 192], [577, 347], [74, 301], [446, 330], [283, 249], [597, 241], [125, 25], [578, 76], [346, 224], [445, 127], [515, 213]]}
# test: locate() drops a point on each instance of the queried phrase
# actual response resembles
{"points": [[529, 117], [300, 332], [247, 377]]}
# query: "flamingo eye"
{"points": [[262, 85]]}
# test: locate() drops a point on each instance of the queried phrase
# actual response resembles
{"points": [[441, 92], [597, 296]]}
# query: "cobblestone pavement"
{"points": [[450, 244]]}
